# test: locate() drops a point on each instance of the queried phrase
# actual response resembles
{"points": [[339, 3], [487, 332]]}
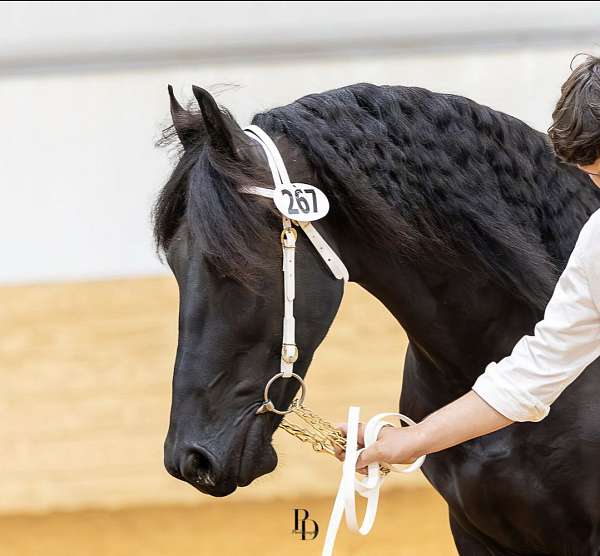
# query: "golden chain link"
{"points": [[322, 435]]}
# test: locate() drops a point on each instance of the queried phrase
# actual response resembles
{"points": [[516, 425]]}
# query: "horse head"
{"points": [[223, 248]]}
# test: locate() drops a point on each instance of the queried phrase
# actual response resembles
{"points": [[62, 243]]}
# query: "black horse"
{"points": [[458, 218]]}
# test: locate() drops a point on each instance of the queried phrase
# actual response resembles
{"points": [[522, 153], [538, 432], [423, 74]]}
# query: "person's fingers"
{"points": [[340, 453], [384, 429], [369, 455], [342, 427], [361, 435]]}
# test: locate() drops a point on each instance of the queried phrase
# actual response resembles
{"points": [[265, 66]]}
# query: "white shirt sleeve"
{"points": [[523, 385]]}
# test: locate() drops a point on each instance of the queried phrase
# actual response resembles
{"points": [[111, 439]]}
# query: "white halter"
{"points": [[349, 485], [289, 349]]}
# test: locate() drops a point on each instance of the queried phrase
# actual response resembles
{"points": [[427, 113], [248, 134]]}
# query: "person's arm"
{"points": [[466, 418], [522, 386]]}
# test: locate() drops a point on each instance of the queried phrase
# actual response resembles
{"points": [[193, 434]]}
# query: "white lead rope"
{"points": [[345, 503], [350, 485]]}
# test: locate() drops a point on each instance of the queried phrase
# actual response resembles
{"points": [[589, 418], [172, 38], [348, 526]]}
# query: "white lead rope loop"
{"points": [[350, 485]]}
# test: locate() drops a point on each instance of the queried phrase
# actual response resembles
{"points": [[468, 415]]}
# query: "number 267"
{"points": [[300, 200]]}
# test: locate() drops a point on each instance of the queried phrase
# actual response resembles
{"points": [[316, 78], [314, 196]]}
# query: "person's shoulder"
{"points": [[591, 229], [594, 219], [588, 244]]}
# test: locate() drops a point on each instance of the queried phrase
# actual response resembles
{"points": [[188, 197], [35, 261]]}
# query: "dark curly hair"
{"points": [[426, 176], [575, 130]]}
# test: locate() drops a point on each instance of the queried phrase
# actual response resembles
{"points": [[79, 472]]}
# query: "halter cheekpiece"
{"points": [[288, 237]]}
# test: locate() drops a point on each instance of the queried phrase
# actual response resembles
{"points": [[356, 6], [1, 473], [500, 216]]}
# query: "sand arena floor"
{"points": [[85, 397], [409, 523]]}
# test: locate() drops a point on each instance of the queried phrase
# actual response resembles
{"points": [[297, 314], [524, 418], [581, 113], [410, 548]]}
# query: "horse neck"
{"points": [[457, 322]]}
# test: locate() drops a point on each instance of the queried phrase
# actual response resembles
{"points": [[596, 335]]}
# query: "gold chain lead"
{"points": [[322, 435]]}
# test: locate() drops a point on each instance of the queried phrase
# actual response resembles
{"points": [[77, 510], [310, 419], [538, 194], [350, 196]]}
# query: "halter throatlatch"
{"points": [[321, 434]]}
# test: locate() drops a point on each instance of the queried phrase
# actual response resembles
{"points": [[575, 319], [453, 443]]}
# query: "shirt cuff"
{"points": [[507, 398]]}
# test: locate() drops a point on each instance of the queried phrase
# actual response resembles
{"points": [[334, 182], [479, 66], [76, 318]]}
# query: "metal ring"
{"points": [[268, 401]]}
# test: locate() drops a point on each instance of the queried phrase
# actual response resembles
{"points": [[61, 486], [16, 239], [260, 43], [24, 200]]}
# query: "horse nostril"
{"points": [[173, 470], [197, 468]]}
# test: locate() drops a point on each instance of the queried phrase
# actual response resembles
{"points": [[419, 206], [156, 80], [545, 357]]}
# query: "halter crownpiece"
{"points": [[293, 200]]}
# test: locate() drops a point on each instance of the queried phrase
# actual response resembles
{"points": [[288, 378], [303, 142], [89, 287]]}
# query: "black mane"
{"points": [[425, 174]]}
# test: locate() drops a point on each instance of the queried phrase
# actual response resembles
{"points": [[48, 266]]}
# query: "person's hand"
{"points": [[394, 445]]}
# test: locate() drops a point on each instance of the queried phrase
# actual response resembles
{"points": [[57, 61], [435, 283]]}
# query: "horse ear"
{"points": [[183, 121], [223, 133]]}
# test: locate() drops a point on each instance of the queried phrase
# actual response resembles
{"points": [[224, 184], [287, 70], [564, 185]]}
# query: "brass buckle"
{"points": [[289, 358], [284, 239]]}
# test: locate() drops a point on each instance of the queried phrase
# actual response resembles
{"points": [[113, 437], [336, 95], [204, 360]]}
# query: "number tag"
{"points": [[300, 201]]}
